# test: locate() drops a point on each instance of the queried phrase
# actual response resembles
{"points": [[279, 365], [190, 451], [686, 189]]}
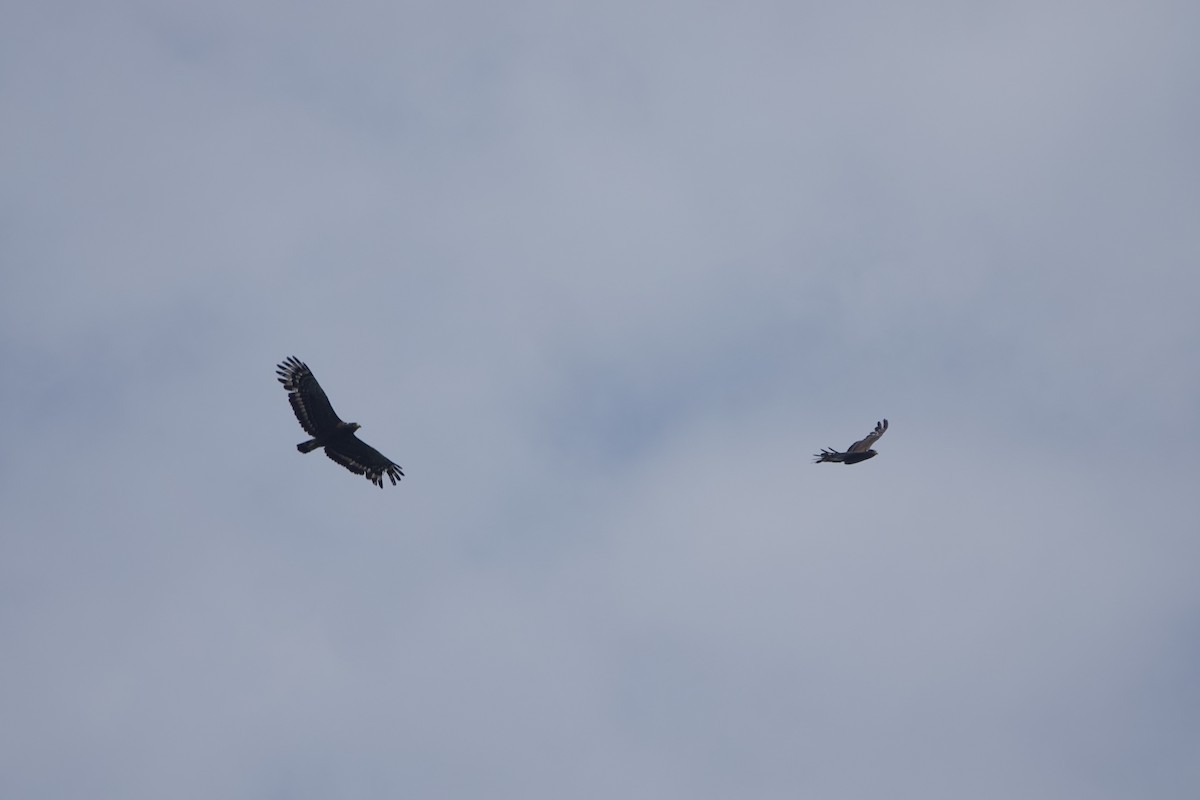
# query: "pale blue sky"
{"points": [[601, 278]]}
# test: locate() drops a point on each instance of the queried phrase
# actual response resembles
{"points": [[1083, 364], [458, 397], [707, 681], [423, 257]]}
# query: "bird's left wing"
{"points": [[309, 403], [862, 445]]}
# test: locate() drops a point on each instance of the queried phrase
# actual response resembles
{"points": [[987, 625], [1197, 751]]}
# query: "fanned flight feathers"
{"points": [[318, 419]]}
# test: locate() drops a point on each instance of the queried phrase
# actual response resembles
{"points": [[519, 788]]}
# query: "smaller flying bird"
{"points": [[317, 417], [859, 451]]}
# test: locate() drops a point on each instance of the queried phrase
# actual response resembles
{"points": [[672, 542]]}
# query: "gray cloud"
{"points": [[600, 278]]}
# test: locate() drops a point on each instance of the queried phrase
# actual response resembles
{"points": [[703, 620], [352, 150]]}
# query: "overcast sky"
{"points": [[601, 277]]}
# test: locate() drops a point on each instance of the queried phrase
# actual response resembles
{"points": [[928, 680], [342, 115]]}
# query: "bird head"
{"points": [[354, 426]]}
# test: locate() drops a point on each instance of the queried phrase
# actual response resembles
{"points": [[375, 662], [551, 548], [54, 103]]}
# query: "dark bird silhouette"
{"points": [[317, 417], [859, 451]]}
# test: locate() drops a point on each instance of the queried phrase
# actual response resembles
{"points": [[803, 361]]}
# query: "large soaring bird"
{"points": [[859, 451], [319, 420]]}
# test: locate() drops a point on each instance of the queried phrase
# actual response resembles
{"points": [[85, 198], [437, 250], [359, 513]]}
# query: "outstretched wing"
{"points": [[308, 399], [360, 458], [863, 445]]}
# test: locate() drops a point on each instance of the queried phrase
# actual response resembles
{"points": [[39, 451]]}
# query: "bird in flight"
{"points": [[317, 417], [859, 451]]}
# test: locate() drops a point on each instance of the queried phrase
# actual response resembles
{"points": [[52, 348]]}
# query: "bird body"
{"points": [[338, 435]]}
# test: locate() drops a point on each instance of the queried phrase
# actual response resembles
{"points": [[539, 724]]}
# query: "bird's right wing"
{"points": [[360, 458]]}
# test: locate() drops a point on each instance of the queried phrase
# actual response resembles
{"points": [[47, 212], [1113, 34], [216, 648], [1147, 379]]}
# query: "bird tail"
{"points": [[826, 456], [309, 446]]}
